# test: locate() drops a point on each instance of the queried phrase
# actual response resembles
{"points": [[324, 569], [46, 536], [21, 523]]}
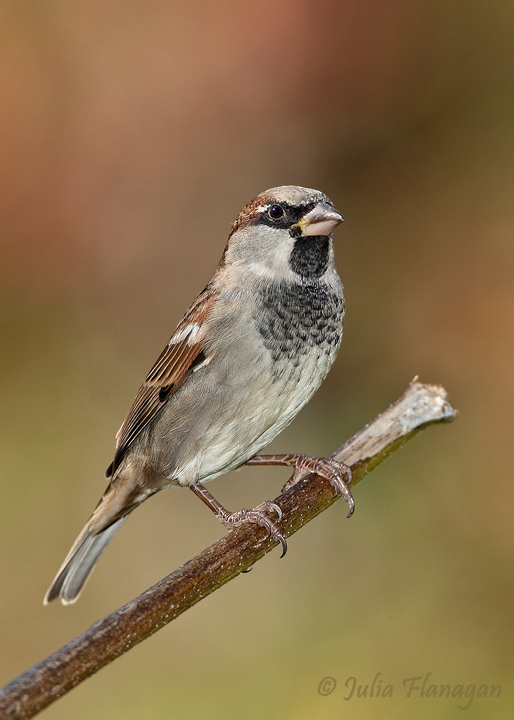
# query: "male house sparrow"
{"points": [[249, 353]]}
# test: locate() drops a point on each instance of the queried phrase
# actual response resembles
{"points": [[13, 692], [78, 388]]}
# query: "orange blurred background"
{"points": [[131, 134]]}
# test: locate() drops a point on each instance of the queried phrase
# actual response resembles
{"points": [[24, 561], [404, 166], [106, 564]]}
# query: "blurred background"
{"points": [[131, 134]]}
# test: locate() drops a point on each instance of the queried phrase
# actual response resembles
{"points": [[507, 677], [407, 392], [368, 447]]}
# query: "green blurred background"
{"points": [[131, 134]]}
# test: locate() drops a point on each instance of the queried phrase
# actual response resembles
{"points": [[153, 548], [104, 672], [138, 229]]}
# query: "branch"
{"points": [[24, 697]]}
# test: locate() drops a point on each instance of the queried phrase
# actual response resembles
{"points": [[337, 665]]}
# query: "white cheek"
{"points": [[275, 265], [264, 253]]}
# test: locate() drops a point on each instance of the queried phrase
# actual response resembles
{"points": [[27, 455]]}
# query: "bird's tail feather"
{"points": [[80, 562]]}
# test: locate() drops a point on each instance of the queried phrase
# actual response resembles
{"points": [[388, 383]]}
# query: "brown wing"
{"points": [[181, 355]]}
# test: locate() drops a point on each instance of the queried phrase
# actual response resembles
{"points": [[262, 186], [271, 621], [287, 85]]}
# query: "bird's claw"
{"points": [[257, 516], [338, 474]]}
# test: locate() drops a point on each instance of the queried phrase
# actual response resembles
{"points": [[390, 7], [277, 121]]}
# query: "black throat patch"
{"points": [[309, 257]]}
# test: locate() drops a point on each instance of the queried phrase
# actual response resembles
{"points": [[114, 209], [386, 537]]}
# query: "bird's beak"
{"points": [[321, 220]]}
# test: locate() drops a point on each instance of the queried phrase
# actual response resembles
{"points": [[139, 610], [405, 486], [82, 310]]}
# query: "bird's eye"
{"points": [[275, 212]]}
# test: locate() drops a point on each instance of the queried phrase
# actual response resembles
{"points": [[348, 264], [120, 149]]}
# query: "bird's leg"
{"points": [[234, 519], [338, 474]]}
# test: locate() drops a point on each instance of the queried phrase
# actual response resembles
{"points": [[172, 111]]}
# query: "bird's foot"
{"points": [[257, 515], [338, 474], [239, 517]]}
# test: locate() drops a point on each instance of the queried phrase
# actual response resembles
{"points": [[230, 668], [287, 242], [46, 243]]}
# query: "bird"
{"points": [[248, 354]]}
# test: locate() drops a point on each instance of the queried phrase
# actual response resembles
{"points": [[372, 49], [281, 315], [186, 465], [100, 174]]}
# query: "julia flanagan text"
{"points": [[417, 686]]}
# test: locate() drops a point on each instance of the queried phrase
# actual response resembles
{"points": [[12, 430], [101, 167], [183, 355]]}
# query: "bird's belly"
{"points": [[239, 416], [229, 410]]}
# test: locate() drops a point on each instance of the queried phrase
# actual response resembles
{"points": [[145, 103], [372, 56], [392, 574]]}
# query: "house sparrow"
{"points": [[249, 353]]}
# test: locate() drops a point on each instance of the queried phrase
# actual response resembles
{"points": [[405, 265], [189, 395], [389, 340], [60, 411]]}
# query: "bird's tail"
{"points": [[80, 562]]}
